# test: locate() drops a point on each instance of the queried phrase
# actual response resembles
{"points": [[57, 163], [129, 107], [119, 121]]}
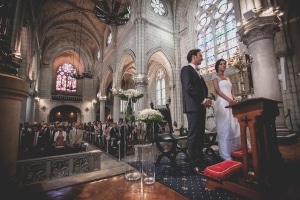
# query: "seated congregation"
{"points": [[48, 139]]}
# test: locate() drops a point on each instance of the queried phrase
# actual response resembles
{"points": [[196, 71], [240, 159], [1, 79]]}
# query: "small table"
{"points": [[173, 151]]}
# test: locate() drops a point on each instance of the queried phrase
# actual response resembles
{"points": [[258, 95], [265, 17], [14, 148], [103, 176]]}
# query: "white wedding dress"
{"points": [[228, 128]]}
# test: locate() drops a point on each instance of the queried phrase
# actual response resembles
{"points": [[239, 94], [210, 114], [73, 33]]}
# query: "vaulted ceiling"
{"points": [[70, 25]]}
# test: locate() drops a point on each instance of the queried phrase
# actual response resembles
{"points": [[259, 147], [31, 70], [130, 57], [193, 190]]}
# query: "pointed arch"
{"points": [[107, 78], [126, 64], [164, 59], [158, 60]]}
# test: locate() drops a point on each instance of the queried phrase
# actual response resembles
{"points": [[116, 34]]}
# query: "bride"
{"points": [[228, 128]]}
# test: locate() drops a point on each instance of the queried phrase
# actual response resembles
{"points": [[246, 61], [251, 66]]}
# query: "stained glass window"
{"points": [[158, 7], [64, 81], [216, 32], [160, 88]]}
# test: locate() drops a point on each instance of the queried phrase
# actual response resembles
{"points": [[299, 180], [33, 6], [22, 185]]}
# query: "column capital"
{"points": [[102, 98], [116, 91], [259, 28], [141, 79]]}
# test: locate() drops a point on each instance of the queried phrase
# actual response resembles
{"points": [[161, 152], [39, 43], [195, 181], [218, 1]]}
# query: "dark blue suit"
{"points": [[194, 91]]}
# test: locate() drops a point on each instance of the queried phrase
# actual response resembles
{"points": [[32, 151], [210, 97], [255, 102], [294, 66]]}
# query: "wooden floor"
{"points": [[118, 188], [291, 156]]}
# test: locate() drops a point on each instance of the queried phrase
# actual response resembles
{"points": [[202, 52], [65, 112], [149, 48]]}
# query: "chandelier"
{"points": [[112, 12], [87, 73]]}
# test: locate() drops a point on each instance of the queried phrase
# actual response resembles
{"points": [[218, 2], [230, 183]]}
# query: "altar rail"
{"points": [[48, 168]]}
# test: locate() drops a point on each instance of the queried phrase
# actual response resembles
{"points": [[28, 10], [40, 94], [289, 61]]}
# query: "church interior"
{"points": [[65, 63]]}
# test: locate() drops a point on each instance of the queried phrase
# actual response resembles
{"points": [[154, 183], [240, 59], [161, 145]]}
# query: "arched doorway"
{"points": [[108, 116], [65, 113]]}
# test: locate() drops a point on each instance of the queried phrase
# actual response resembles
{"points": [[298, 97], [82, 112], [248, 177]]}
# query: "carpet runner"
{"points": [[188, 184]]}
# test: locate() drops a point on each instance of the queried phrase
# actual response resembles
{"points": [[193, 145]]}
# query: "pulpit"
{"points": [[262, 169], [265, 164]]}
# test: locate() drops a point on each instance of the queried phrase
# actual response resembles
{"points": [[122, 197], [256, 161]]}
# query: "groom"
{"points": [[195, 102]]}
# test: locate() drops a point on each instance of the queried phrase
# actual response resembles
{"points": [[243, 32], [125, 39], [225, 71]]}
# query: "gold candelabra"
{"points": [[241, 61]]}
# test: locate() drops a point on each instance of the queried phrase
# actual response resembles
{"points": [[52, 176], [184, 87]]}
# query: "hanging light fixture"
{"points": [[9, 61], [112, 12], [88, 73]]}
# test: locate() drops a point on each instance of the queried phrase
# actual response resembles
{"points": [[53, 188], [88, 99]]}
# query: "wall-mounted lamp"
{"points": [[43, 108], [169, 100], [94, 101], [87, 109], [151, 105], [98, 95]]}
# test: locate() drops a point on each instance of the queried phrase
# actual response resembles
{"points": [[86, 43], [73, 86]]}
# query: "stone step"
{"points": [[285, 136]]}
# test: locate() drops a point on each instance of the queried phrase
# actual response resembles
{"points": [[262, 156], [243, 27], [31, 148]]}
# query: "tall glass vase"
{"points": [[148, 163], [133, 162], [133, 165], [149, 155]]}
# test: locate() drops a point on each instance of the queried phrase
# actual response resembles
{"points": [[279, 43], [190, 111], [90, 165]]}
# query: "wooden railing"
{"points": [[61, 97], [48, 168]]}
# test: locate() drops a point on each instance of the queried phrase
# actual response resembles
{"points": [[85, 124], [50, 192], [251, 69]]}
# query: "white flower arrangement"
{"points": [[132, 94], [149, 114]]}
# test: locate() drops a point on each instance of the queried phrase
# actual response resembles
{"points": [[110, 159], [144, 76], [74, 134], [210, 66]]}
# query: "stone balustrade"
{"points": [[48, 168]]}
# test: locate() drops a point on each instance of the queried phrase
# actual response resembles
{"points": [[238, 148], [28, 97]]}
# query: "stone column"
{"points": [[116, 108], [13, 91], [29, 108], [258, 34], [102, 100], [140, 47], [141, 81]]}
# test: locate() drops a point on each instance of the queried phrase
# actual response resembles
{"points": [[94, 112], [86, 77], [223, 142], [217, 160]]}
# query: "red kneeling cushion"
{"points": [[223, 169], [239, 153]]}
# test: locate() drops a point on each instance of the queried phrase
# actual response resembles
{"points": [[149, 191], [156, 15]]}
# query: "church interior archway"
{"points": [[65, 113]]}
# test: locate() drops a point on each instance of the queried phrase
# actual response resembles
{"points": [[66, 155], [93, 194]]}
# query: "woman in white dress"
{"points": [[228, 128]]}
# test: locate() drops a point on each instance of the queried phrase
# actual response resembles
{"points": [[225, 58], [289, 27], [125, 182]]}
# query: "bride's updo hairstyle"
{"points": [[218, 63]]}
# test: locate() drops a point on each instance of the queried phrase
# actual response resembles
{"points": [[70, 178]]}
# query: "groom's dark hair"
{"points": [[191, 53]]}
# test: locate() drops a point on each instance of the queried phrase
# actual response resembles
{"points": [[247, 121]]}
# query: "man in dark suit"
{"points": [[49, 135], [195, 102], [26, 141], [39, 141]]}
